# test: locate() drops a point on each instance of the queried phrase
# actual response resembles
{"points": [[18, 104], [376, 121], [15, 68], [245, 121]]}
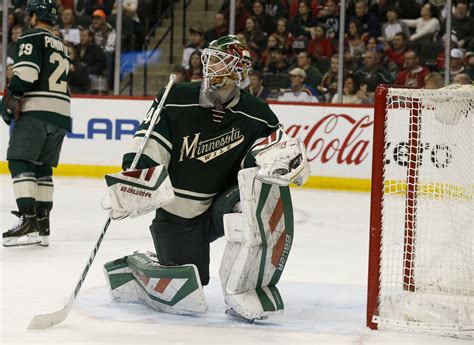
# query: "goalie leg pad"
{"points": [[171, 289], [259, 241]]}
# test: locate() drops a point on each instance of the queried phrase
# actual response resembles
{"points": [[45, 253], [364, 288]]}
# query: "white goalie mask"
{"points": [[226, 58]]}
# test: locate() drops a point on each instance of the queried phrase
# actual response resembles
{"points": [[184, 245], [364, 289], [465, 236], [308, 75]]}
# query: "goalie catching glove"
{"points": [[281, 160], [137, 192]]}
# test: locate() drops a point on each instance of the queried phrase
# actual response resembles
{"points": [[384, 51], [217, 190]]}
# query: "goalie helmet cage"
{"points": [[421, 268]]}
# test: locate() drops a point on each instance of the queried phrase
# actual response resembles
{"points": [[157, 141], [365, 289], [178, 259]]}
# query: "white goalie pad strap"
{"points": [[170, 289], [138, 192], [259, 241], [282, 160]]}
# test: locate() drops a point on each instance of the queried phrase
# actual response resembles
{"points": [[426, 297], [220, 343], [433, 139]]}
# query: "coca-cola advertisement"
{"points": [[338, 138]]}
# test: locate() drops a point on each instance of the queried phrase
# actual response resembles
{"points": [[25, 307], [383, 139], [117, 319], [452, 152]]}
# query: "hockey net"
{"points": [[421, 267]]}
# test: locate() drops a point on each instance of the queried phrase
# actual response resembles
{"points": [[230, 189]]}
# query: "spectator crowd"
{"points": [[296, 43], [398, 42], [88, 29]]}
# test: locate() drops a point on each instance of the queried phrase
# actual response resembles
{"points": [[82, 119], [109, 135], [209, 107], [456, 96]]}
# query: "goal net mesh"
{"points": [[427, 247]]}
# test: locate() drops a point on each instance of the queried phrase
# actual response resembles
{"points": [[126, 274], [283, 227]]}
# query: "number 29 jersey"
{"points": [[40, 77]]}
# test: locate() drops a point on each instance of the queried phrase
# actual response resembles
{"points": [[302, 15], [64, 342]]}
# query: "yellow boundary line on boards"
{"points": [[315, 182]]}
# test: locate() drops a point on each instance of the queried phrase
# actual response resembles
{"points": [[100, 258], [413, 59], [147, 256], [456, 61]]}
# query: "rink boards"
{"points": [[338, 139]]}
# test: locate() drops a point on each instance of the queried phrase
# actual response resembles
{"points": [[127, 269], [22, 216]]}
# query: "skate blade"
{"points": [[27, 240], [232, 313]]}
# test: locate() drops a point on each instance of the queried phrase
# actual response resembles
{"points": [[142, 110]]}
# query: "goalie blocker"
{"points": [[258, 244]]}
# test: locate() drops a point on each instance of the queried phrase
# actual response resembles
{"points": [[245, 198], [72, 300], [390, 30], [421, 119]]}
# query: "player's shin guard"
{"points": [[171, 289], [24, 185], [258, 243], [44, 201]]}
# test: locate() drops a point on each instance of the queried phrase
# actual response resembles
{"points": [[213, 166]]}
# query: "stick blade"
{"points": [[43, 321]]}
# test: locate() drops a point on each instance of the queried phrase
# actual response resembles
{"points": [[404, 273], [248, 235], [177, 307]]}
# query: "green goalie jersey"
{"points": [[202, 148], [40, 77]]}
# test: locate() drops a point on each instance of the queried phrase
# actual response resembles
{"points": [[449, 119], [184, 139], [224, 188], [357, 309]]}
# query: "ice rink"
{"points": [[323, 286]]}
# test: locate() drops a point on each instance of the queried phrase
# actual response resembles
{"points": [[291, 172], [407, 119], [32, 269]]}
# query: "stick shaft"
{"points": [[42, 321]]}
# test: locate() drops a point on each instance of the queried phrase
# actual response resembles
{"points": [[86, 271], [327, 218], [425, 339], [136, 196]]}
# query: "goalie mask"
{"points": [[226, 58]]}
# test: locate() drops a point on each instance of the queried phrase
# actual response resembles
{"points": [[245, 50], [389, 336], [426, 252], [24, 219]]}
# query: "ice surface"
{"points": [[323, 286]]}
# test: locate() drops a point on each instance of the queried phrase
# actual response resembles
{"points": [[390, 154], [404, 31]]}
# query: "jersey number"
{"points": [[63, 66], [25, 48]]}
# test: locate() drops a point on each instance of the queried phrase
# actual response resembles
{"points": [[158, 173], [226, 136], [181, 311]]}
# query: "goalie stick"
{"points": [[42, 321]]}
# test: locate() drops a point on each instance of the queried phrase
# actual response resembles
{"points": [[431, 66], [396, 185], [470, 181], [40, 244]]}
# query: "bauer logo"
{"points": [[102, 128], [136, 192]]}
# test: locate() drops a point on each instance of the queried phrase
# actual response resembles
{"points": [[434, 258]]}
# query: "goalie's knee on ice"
{"points": [[138, 279]]}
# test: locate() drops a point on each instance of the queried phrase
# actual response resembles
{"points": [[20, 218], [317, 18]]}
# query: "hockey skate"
{"points": [[23, 232], [43, 227]]}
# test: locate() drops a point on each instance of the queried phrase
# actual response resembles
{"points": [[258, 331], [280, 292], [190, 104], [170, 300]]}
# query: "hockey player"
{"points": [[37, 106], [205, 135]]}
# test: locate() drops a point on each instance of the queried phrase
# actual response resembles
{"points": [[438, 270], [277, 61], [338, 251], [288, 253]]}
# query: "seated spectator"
{"points": [[91, 54], [16, 32], [265, 58], [393, 25], [104, 37], [220, 28], [352, 62], [329, 16], [462, 79], [276, 73], [91, 5], [470, 64], [77, 77], [462, 23], [320, 46], [265, 21], [427, 25], [328, 85], [313, 75], [284, 34], [395, 52], [299, 92], [369, 21], [371, 74], [254, 36], [279, 64], [180, 73], [355, 36], [294, 4], [374, 44], [441, 57], [68, 28], [256, 87], [197, 43], [350, 91], [130, 10], [434, 80], [104, 33], [241, 14], [194, 71], [413, 75], [457, 63], [276, 8], [302, 24]]}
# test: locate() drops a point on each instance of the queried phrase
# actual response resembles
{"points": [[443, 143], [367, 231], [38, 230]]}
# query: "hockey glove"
{"points": [[281, 160], [137, 192], [11, 108]]}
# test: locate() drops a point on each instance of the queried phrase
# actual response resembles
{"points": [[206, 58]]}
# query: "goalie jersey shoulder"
{"points": [[183, 94], [256, 109]]}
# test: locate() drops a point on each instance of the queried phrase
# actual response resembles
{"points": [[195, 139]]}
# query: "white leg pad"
{"points": [[258, 243], [170, 289]]}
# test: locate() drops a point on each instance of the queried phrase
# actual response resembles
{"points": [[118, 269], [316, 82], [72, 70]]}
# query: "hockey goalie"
{"points": [[217, 164]]}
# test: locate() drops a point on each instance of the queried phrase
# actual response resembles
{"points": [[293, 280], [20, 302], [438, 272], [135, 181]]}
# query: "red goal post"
{"points": [[421, 267]]}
